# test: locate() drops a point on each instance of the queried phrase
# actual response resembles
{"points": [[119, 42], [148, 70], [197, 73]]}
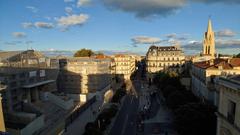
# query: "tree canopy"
{"points": [[237, 56], [195, 119], [84, 53]]}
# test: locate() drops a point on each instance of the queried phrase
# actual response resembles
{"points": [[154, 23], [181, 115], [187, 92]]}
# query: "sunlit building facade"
{"points": [[125, 65]]}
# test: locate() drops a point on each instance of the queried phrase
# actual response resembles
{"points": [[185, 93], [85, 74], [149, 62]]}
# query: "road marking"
{"points": [[124, 125]]}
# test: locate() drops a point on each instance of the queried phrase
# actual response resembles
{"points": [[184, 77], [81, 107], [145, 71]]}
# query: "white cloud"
{"points": [[145, 40], [32, 8], [43, 25], [225, 33], [172, 35], [19, 34], [67, 21], [27, 25], [226, 43], [83, 3], [68, 10]]}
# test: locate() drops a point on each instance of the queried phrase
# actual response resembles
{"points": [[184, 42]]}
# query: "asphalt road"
{"points": [[125, 123], [128, 120]]}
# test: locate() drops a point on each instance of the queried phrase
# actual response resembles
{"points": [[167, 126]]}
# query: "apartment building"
{"points": [[83, 75], [125, 65], [23, 88], [162, 58], [30, 90], [205, 76], [28, 58], [228, 122]]}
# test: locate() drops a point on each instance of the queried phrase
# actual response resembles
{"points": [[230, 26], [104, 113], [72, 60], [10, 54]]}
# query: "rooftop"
{"points": [[216, 63], [13, 55], [165, 48]]}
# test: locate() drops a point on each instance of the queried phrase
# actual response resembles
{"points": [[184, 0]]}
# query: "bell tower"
{"points": [[209, 41]]}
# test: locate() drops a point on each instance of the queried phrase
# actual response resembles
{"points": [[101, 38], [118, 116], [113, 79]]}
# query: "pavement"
{"points": [[125, 122], [78, 125]]}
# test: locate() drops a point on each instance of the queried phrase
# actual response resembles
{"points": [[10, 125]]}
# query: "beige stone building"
{"points": [[28, 58], [205, 75], [228, 122], [83, 75], [164, 58], [2, 123], [125, 65], [30, 90], [206, 69]]}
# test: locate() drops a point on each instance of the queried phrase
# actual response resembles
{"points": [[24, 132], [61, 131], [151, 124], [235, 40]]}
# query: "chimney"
{"points": [[211, 62], [228, 60]]}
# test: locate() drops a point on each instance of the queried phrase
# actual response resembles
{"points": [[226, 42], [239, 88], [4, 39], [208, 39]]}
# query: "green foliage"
{"points": [[176, 99], [103, 119], [237, 56], [168, 90], [195, 119], [119, 94], [91, 128], [163, 79], [191, 117], [84, 53]]}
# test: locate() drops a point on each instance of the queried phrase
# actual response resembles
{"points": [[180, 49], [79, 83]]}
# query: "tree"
{"points": [[168, 90], [195, 119], [84, 53], [237, 56], [176, 99]]}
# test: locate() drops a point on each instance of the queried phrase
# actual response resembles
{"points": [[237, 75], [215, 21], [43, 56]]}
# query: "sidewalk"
{"points": [[107, 131], [78, 126]]}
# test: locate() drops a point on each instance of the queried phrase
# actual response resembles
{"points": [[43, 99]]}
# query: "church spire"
{"points": [[209, 40], [209, 30]]}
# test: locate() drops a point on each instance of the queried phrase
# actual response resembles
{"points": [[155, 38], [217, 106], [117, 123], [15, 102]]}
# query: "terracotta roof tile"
{"points": [[217, 63], [235, 62]]}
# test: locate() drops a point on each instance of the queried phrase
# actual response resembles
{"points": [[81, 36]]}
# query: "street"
{"points": [[139, 112]]}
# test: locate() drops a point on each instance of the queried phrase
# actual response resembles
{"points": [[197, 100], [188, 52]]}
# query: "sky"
{"points": [[118, 25]]}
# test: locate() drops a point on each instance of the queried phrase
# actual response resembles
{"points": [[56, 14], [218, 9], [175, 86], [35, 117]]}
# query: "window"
{"points": [[231, 111]]}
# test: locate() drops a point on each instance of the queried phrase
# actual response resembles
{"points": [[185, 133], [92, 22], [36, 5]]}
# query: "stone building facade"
{"points": [[228, 122], [82, 75], [125, 65], [164, 58], [205, 76]]}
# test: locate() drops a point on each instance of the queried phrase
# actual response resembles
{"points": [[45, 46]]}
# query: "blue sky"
{"points": [[118, 25]]}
